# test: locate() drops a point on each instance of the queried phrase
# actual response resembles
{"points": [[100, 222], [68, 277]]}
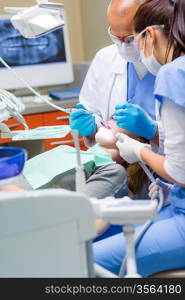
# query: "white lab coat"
{"points": [[105, 84]]}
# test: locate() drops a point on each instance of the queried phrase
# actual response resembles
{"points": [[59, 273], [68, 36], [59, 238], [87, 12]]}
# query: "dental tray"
{"points": [[39, 133]]}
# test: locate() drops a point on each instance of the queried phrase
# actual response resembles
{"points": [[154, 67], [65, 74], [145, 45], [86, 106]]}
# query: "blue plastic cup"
{"points": [[12, 160]]}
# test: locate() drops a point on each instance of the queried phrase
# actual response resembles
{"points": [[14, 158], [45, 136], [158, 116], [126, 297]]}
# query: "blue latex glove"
{"points": [[82, 121], [133, 118]]}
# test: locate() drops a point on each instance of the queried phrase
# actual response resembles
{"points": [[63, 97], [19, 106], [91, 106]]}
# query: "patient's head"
{"points": [[106, 137]]}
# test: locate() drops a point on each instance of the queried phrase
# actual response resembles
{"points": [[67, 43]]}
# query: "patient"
{"points": [[105, 137]]}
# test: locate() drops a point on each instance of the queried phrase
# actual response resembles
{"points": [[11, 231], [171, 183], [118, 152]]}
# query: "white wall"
{"points": [[94, 26]]}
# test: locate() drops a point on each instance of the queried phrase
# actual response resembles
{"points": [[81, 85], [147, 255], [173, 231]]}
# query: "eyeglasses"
{"points": [[125, 39], [139, 35]]}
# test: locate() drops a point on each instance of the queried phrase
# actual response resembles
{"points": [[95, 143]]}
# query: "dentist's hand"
{"points": [[133, 118], [82, 121], [129, 149]]}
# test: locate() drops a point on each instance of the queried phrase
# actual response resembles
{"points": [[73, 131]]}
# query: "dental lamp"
{"points": [[31, 22], [35, 21]]}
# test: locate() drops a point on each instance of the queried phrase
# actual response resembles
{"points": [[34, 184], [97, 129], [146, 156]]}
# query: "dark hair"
{"points": [[171, 14], [137, 178]]}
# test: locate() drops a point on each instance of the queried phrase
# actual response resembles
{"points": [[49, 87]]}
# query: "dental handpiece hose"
{"points": [[67, 110], [149, 222], [80, 174]]}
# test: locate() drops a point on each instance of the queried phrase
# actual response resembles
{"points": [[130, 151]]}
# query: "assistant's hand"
{"points": [[82, 121], [133, 118], [154, 188], [130, 149]]}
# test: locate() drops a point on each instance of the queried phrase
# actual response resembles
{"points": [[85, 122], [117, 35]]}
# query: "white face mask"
{"points": [[151, 63], [127, 49], [128, 52]]}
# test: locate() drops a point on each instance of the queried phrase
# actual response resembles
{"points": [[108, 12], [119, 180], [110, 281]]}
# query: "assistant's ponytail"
{"points": [[177, 30]]}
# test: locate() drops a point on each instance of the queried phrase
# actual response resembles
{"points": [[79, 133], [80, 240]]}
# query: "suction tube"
{"points": [[31, 89], [149, 222]]}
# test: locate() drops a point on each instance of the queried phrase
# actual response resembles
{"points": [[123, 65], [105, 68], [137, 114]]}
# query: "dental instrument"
{"points": [[69, 110], [35, 21], [10, 106], [106, 125]]}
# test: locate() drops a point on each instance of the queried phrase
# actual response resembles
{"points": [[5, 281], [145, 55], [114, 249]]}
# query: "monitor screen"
{"points": [[43, 61]]}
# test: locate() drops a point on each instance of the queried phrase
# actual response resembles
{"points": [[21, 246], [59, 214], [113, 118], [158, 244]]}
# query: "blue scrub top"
{"points": [[141, 91], [170, 84]]}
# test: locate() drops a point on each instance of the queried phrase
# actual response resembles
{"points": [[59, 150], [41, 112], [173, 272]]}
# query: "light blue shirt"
{"points": [[170, 85], [141, 91]]}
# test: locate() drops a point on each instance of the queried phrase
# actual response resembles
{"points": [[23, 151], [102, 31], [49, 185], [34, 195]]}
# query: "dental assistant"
{"points": [[159, 25]]}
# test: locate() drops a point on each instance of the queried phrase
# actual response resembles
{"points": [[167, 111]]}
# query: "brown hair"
{"points": [[137, 178], [171, 14]]}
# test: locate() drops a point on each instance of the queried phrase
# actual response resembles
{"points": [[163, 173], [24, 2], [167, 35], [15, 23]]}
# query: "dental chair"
{"points": [[46, 233]]}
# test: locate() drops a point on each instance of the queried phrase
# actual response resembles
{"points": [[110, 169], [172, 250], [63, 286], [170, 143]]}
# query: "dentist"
{"points": [[115, 76]]}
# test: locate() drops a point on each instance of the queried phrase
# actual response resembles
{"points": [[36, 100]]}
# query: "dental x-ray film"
{"points": [[18, 51]]}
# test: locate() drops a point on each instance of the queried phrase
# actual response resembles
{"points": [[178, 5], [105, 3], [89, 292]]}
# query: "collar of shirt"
{"points": [[141, 70], [119, 65]]}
